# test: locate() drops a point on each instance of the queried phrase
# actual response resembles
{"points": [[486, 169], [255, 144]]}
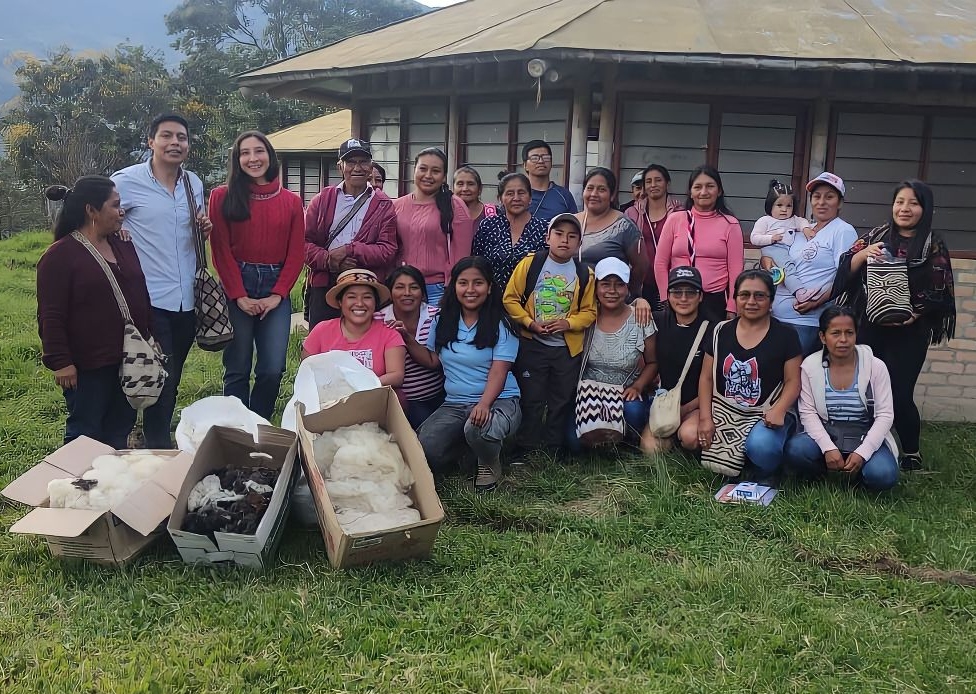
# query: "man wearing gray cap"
{"points": [[351, 225]]}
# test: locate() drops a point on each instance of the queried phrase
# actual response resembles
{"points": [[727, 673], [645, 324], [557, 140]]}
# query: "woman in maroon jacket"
{"points": [[351, 225], [78, 318]]}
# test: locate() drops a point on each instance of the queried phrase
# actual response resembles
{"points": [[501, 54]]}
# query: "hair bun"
{"points": [[56, 193], [503, 174], [773, 183]]}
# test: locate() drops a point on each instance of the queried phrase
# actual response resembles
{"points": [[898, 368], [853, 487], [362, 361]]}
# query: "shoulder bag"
{"points": [[142, 373], [886, 286], [599, 407], [665, 416], [214, 330], [727, 453]]}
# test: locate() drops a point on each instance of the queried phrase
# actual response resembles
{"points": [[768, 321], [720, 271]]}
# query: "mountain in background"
{"points": [[41, 27]]}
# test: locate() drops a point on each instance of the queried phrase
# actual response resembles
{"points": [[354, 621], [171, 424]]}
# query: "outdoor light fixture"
{"points": [[537, 68], [552, 75]]}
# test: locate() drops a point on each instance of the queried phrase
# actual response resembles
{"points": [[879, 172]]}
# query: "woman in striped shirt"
{"points": [[410, 313]]}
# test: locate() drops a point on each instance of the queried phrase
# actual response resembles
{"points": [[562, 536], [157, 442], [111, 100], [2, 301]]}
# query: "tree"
{"points": [[80, 115], [20, 203]]}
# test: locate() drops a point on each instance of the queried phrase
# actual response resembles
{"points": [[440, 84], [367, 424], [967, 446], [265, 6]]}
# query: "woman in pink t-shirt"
{"points": [[707, 236], [356, 294]]}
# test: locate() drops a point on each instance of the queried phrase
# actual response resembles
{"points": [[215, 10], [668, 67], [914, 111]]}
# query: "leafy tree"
{"points": [[79, 115], [20, 203]]}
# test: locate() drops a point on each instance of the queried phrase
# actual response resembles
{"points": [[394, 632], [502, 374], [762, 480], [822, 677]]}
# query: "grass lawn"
{"points": [[612, 575]]}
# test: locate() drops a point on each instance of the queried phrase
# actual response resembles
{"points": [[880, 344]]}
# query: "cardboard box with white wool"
{"points": [[83, 469], [404, 541], [223, 449]]}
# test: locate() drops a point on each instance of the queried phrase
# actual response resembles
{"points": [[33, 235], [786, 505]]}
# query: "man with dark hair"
{"points": [[548, 198], [159, 215]]}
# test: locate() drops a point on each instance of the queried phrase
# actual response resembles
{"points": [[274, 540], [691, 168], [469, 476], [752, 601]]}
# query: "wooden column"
{"points": [[453, 132], [579, 127], [608, 118], [819, 139]]}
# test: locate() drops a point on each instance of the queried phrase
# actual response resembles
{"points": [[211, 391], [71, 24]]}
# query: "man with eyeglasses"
{"points": [[548, 199], [351, 225]]}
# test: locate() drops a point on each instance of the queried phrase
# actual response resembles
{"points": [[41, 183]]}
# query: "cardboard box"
{"points": [[406, 542], [222, 447], [106, 537]]}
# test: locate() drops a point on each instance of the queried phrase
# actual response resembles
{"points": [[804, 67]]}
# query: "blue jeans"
{"points": [[268, 334], [804, 458], [97, 408], [764, 445], [448, 427], [434, 293], [175, 332], [635, 416], [418, 411], [809, 338]]}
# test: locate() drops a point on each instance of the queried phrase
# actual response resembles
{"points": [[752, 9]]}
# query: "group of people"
{"points": [[522, 324]]}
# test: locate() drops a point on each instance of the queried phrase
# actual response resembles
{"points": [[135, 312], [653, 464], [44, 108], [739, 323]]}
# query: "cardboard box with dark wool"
{"points": [[115, 536], [415, 540], [223, 448]]}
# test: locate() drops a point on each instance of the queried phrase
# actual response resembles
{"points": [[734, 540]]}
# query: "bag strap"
{"points": [[199, 243], [532, 276], [691, 237], [116, 289], [691, 354], [587, 343], [344, 222]]}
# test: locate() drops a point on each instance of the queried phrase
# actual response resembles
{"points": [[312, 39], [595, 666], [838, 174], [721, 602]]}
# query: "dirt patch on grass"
{"points": [[890, 566], [597, 504]]}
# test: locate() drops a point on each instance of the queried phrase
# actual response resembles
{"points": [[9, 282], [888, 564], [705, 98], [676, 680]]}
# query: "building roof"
{"points": [[322, 134], [839, 33]]}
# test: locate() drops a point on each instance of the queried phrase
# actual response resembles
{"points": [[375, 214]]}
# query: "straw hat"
{"points": [[357, 277]]}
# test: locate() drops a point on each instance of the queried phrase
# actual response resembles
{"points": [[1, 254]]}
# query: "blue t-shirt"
{"points": [[546, 204], [466, 367]]}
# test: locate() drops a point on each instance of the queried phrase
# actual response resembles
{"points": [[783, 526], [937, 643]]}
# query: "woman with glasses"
{"points": [[678, 327], [504, 239], [813, 258], [752, 364]]}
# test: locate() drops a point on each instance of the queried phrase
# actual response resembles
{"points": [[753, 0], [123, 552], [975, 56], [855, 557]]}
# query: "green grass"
{"points": [[603, 575]]}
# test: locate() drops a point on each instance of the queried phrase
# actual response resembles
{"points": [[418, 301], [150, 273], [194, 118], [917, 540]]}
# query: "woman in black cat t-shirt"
{"points": [[753, 362]]}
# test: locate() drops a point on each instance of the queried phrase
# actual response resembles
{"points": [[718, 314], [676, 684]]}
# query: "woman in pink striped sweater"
{"points": [[706, 235]]}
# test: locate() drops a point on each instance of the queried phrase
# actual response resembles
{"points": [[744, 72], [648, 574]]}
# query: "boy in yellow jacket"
{"points": [[551, 296]]}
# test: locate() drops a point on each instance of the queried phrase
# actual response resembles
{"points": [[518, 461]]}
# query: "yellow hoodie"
{"points": [[582, 313]]}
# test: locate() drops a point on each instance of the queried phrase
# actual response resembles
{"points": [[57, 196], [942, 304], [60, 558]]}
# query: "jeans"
{"points": [[449, 426], [97, 408], [175, 332], [547, 376], [269, 334], [764, 445], [418, 411], [809, 338], [804, 458], [434, 293], [636, 413]]}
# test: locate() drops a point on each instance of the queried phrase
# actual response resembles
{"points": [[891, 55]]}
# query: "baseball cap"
{"points": [[638, 178], [685, 274], [566, 217], [354, 146], [612, 266], [832, 180]]}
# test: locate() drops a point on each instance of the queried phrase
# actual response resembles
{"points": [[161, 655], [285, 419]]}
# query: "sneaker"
{"points": [[486, 479], [911, 462]]}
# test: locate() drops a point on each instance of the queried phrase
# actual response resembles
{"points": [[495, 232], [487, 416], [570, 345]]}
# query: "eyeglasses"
{"points": [[758, 296], [366, 164], [539, 158], [683, 293]]}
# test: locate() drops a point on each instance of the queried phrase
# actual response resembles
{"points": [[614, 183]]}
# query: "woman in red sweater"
{"points": [[706, 235], [258, 246], [78, 316]]}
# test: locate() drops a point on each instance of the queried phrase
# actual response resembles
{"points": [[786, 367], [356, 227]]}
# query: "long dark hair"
{"points": [[411, 272], [87, 190], [710, 171], [490, 316], [661, 169], [924, 226], [444, 198], [237, 204], [776, 190]]}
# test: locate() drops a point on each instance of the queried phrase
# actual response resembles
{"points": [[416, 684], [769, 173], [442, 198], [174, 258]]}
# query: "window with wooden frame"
{"points": [[873, 149], [748, 142], [396, 135]]}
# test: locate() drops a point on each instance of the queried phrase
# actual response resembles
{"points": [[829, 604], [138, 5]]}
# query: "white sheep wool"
{"points": [[116, 475], [367, 478]]}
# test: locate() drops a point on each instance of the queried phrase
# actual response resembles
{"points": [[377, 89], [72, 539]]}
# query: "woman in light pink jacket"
{"points": [[846, 409]]}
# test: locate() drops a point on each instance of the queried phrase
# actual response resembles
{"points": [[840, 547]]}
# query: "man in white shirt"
{"points": [[159, 217]]}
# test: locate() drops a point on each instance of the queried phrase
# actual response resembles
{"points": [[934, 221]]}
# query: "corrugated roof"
{"points": [[324, 133], [921, 32]]}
